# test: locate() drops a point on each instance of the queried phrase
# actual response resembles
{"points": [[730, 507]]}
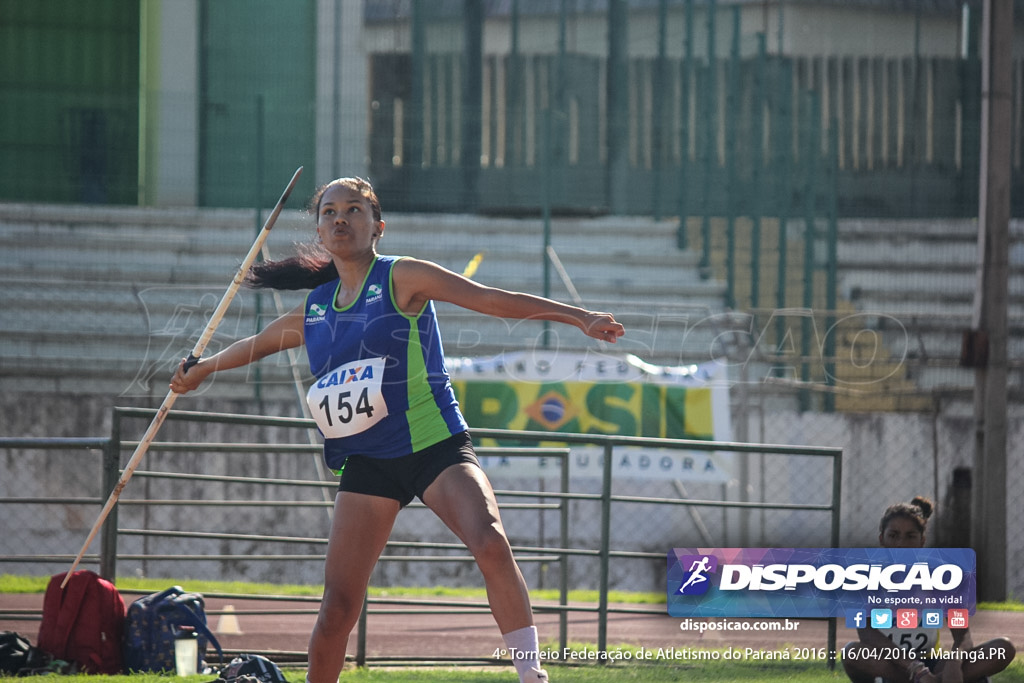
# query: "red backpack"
{"points": [[83, 622]]}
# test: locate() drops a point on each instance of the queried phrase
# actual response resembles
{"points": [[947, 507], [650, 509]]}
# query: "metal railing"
{"points": [[554, 500]]}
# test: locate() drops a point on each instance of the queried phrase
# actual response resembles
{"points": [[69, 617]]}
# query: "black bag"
{"points": [[251, 667], [18, 656], [14, 652], [153, 623]]}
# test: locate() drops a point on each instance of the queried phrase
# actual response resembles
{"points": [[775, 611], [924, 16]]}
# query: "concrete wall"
{"points": [[887, 458]]}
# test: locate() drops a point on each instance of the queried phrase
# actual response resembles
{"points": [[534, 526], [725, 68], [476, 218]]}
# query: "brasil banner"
{"points": [[591, 393]]}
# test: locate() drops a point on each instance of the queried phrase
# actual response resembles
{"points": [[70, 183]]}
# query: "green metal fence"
{"points": [[706, 119], [69, 101], [160, 539], [754, 152]]}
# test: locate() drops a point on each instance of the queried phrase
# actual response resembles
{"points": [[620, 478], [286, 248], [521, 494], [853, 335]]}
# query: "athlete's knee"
{"points": [[339, 611], [852, 664], [1002, 649], [489, 545], [846, 660]]}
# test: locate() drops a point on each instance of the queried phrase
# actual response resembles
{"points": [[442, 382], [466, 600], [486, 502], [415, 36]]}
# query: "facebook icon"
{"points": [[856, 618]]}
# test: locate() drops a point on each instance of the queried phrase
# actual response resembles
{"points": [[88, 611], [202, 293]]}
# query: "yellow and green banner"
{"points": [[599, 394]]}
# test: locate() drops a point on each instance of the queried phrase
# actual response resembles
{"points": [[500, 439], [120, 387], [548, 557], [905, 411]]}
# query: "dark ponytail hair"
{"points": [[312, 266], [918, 511], [309, 269]]}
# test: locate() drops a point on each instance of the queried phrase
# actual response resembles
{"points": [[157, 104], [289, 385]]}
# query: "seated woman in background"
{"points": [[903, 526]]}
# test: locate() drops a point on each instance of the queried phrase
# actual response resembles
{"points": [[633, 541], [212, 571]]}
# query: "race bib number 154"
{"points": [[348, 399]]}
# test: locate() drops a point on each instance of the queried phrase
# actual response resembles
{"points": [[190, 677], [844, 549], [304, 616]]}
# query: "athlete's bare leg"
{"points": [[362, 525], [463, 499]]}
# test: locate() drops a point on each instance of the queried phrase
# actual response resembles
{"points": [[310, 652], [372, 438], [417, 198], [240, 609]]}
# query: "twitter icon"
{"points": [[881, 618]]}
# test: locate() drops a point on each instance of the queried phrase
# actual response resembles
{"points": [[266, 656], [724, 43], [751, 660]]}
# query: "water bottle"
{"points": [[186, 651]]}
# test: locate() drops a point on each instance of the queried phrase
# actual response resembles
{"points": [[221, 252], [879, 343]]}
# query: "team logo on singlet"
{"points": [[374, 293], [316, 313]]}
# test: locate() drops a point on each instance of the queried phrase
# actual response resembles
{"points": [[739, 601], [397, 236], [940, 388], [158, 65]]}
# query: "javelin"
{"points": [[192, 359]]}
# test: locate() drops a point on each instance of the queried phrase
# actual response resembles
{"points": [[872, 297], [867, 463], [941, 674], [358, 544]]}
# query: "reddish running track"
{"points": [[393, 633]]}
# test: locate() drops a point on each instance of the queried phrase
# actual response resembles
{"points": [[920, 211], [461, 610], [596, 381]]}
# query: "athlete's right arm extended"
{"points": [[283, 333]]}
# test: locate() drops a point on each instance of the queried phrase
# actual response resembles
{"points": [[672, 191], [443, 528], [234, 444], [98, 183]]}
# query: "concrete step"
{"points": [[919, 303], [936, 229], [179, 258], [933, 283], [108, 378]]}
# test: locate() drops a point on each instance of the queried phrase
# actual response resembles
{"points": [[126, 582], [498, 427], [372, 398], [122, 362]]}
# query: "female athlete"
{"points": [[903, 525], [383, 400]]}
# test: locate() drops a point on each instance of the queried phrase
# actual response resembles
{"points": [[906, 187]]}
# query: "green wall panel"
{"points": [[69, 73], [257, 94]]}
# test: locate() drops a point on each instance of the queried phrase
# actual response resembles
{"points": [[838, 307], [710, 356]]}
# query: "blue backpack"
{"points": [[154, 622]]}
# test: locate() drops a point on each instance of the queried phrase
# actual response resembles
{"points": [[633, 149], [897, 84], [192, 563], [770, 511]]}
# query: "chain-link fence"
{"points": [[887, 459], [652, 107], [784, 187], [218, 491]]}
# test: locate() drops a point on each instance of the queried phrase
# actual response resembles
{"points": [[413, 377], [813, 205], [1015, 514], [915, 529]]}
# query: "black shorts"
{"points": [[407, 476]]}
